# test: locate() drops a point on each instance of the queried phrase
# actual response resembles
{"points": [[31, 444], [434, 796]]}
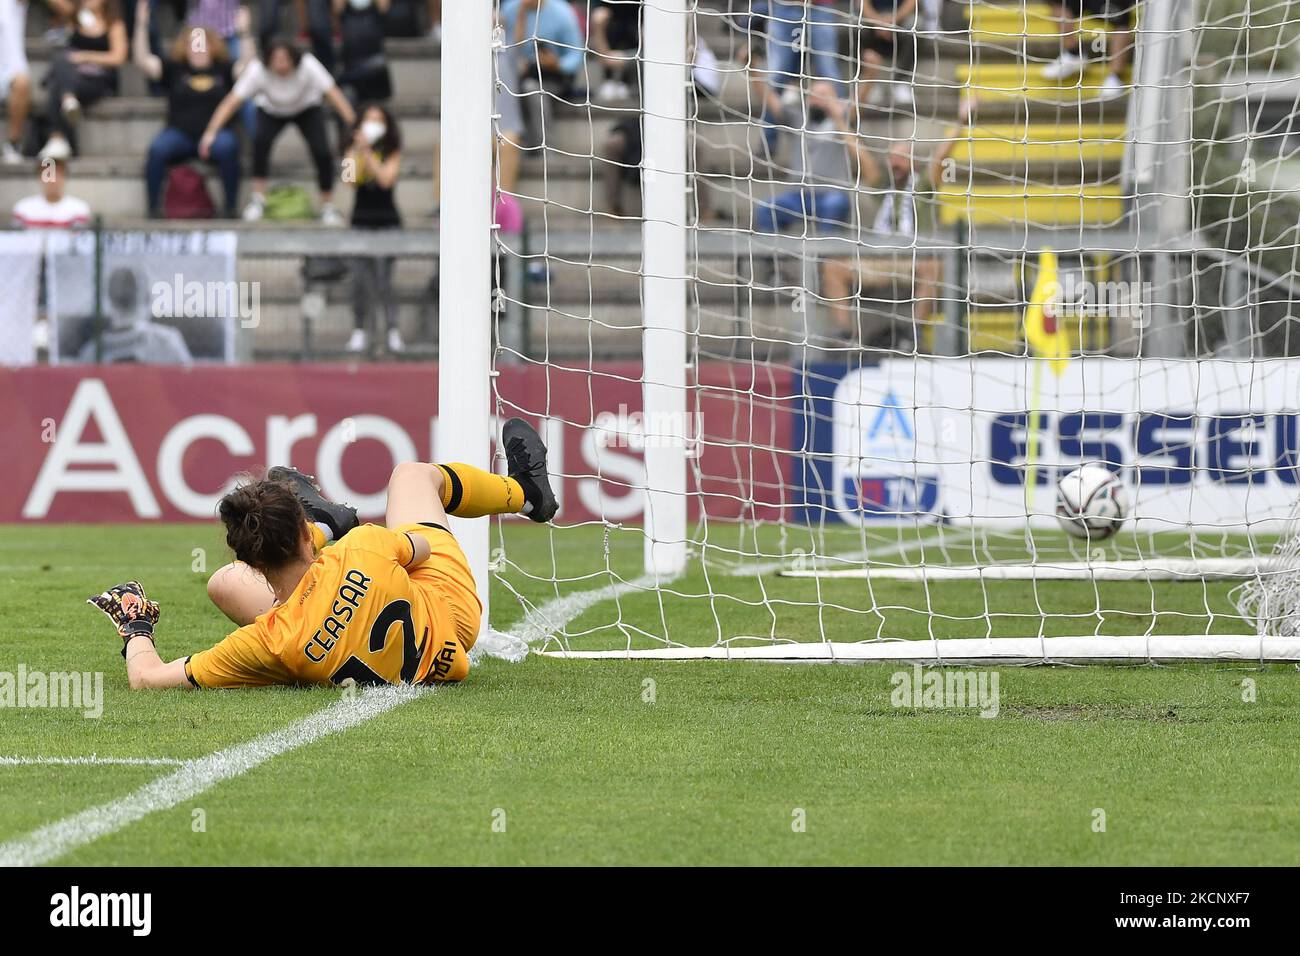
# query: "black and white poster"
{"points": [[165, 298]]}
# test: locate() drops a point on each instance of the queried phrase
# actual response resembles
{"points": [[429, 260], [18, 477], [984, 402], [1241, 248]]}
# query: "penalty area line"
{"points": [[197, 776]]}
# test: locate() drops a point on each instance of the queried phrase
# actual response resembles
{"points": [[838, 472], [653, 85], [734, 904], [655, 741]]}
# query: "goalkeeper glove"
{"points": [[132, 613]]}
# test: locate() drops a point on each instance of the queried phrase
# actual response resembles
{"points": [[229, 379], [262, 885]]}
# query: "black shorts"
{"points": [[624, 35], [624, 28], [1116, 13], [629, 157], [898, 45]]}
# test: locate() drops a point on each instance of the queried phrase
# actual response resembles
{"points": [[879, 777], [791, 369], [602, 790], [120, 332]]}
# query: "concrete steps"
{"points": [[1037, 151], [1025, 80]]}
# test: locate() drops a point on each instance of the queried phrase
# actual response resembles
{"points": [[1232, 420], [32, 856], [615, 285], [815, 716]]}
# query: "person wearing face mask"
{"points": [[288, 86], [372, 164], [197, 75], [86, 71], [365, 74]]}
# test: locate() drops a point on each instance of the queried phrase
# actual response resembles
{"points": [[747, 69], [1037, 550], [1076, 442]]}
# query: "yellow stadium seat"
{"points": [[991, 204]]}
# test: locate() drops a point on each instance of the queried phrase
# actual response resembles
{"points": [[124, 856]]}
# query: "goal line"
{"points": [[1139, 649], [1149, 569]]}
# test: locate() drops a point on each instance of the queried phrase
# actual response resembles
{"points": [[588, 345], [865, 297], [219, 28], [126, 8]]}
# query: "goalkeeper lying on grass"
{"points": [[384, 605]]}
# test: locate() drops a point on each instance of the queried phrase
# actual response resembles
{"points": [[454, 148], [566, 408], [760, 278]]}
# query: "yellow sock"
{"points": [[318, 538], [471, 492]]}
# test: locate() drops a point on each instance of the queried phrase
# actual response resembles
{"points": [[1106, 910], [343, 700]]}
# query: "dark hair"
{"points": [[212, 42], [391, 141], [123, 288], [281, 43], [264, 524]]}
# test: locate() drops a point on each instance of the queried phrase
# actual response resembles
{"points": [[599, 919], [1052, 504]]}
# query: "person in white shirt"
{"points": [[288, 86], [52, 207], [15, 79]]}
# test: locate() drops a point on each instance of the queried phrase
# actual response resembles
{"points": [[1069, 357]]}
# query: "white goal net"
{"points": [[817, 302]]}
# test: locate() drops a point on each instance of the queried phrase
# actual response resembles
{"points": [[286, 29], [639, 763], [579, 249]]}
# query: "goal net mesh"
{"points": [[938, 254]]}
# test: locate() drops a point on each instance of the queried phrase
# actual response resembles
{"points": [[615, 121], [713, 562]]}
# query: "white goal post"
{"points": [[465, 260], [1088, 649], [1149, 569]]}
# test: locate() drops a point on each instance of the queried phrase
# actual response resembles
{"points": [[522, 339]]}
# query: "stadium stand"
{"points": [[574, 298]]}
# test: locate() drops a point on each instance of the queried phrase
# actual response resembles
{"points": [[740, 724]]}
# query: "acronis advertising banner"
{"points": [[1208, 444]]}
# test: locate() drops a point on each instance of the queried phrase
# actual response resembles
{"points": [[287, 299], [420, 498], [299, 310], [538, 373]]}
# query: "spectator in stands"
{"points": [[373, 164], [52, 207], [319, 26], [888, 44], [764, 98], [615, 33], [907, 271], [86, 71], [288, 86], [825, 160], [549, 56], [510, 129], [811, 27], [623, 146], [234, 24], [748, 18], [1120, 19], [15, 79], [129, 9], [621, 167], [364, 77], [197, 76]]}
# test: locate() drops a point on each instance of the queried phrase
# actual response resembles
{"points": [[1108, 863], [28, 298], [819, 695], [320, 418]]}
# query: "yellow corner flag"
{"points": [[1043, 332]]}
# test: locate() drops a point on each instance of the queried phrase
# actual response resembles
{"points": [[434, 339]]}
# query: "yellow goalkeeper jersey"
{"points": [[359, 612]]}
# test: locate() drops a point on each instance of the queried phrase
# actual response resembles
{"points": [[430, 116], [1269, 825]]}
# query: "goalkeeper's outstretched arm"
{"points": [[134, 616], [145, 670]]}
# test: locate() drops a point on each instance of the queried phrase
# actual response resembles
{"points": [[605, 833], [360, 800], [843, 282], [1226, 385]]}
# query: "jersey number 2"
{"points": [[398, 612]]}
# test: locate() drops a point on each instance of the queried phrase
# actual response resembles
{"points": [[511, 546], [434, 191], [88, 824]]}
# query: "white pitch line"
{"points": [[858, 554], [94, 760], [193, 778], [556, 614]]}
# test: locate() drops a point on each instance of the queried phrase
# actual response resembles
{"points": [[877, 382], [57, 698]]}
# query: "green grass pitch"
{"points": [[566, 762]]}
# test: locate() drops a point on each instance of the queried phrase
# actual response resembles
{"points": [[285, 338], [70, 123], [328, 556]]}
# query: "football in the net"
{"points": [[1091, 502]]}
